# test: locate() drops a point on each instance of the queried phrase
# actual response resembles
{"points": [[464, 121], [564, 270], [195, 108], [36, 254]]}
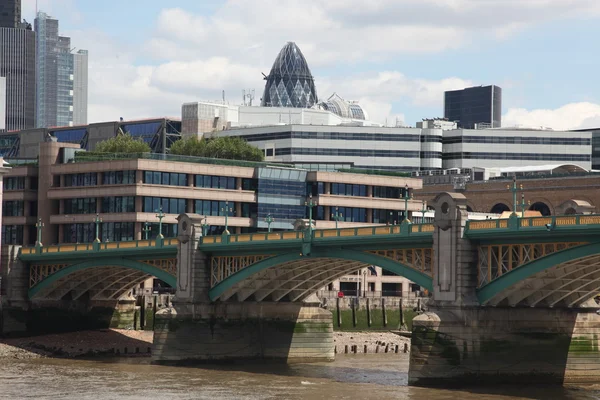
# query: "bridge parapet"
{"points": [[561, 224]]}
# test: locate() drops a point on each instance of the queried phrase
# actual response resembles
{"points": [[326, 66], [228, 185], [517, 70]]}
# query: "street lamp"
{"points": [[39, 225], [97, 221], [160, 217], [423, 211], [205, 226], [269, 220], [523, 205], [406, 197], [146, 229], [310, 204], [337, 217], [514, 191], [226, 210]]}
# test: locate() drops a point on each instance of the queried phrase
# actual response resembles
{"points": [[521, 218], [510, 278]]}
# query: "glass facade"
{"points": [[290, 82], [125, 204], [282, 193], [168, 230], [213, 208], [165, 178], [475, 105], [169, 205], [345, 189], [118, 178], [81, 206]]}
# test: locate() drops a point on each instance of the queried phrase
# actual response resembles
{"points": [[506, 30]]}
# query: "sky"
{"points": [[395, 57]]}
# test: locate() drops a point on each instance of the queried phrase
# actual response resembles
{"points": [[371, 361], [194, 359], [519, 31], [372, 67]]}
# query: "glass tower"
{"points": [[10, 13], [290, 83], [481, 105], [17, 65], [61, 77]]}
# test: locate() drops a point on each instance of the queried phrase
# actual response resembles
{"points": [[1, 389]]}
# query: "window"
{"points": [[12, 208], [84, 179], [169, 205], [118, 178], [14, 183], [80, 206], [346, 189], [108, 232], [215, 182], [249, 184], [12, 234], [165, 178], [215, 208], [124, 204]]}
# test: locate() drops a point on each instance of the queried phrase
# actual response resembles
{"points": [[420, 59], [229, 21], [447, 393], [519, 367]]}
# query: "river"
{"points": [[349, 377]]}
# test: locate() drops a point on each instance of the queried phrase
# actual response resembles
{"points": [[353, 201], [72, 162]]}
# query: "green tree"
{"points": [[231, 148], [122, 144]]}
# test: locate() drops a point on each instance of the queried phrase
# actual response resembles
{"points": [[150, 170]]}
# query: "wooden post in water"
{"points": [[401, 315], [339, 314], [154, 306], [383, 312], [354, 311], [369, 322]]}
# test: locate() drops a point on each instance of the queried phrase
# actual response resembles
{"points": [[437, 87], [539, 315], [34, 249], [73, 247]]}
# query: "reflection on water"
{"points": [[349, 377]]}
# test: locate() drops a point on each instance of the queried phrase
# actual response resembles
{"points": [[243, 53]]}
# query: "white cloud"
{"points": [[569, 116]]}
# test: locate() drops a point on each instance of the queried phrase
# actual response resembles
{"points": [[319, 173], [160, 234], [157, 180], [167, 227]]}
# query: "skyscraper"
{"points": [[56, 77], [474, 106], [290, 83], [10, 13], [17, 65]]}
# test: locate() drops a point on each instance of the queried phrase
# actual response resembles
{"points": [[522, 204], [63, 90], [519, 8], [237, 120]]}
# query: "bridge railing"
{"points": [[102, 246], [549, 222], [408, 229]]}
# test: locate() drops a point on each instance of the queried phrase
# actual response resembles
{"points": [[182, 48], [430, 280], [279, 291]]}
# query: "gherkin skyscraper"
{"points": [[290, 83]]}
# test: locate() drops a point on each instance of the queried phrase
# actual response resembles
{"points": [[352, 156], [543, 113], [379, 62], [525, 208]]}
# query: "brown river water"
{"points": [[349, 377]]}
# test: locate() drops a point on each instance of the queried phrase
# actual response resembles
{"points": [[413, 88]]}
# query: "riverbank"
{"points": [[119, 342], [78, 344]]}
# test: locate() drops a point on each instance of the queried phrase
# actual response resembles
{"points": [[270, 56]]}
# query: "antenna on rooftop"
{"points": [[223, 96], [247, 97]]}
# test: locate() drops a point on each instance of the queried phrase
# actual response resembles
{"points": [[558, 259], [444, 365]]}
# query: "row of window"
{"points": [[108, 232], [334, 136], [80, 206], [13, 208], [284, 151], [516, 156], [218, 208], [14, 183], [165, 178], [12, 234], [566, 141], [118, 177], [169, 205]]}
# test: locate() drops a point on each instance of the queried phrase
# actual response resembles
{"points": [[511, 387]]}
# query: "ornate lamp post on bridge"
{"points": [[97, 221], [160, 217], [226, 210], [205, 226], [146, 230], [310, 204], [514, 191], [423, 211], [406, 197], [269, 220], [337, 217], [39, 225], [523, 203]]}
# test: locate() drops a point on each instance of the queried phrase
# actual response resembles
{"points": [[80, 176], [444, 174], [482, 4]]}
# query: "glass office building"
{"points": [[10, 13], [290, 83], [474, 107]]}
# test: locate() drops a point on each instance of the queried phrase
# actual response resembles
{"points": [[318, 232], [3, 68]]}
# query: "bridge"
{"points": [[508, 299]]}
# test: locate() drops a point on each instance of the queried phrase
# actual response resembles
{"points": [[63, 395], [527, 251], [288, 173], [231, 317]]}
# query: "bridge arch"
{"points": [[544, 207], [129, 272], [296, 276], [499, 208], [568, 278]]}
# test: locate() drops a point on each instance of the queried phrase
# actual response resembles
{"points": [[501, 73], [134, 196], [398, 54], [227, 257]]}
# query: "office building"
{"points": [[502, 148], [57, 77], [290, 82], [474, 107], [17, 65], [10, 13]]}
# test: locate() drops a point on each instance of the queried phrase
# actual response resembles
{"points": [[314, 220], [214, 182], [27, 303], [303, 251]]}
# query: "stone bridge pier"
{"points": [[459, 341], [195, 329]]}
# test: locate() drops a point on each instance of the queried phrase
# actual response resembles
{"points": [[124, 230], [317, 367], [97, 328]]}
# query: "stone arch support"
{"points": [[574, 206]]}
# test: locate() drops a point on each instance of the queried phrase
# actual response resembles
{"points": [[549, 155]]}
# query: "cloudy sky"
{"points": [[396, 57]]}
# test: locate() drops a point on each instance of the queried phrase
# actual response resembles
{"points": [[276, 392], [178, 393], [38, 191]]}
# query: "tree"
{"points": [[231, 148], [122, 144]]}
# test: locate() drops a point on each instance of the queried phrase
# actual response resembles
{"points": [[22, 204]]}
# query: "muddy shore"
{"points": [[118, 342]]}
